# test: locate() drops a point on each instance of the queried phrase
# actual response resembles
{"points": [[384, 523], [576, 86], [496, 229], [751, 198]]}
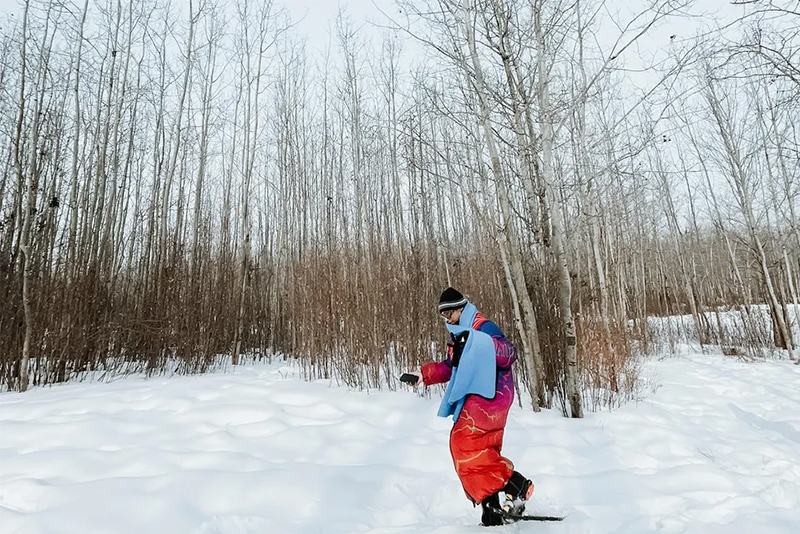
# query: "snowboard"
{"points": [[513, 518], [525, 517]]}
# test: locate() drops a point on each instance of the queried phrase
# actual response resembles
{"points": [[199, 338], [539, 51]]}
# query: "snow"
{"points": [[738, 325], [714, 448]]}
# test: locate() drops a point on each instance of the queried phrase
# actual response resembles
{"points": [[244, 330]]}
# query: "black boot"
{"points": [[518, 486], [491, 511], [517, 491]]}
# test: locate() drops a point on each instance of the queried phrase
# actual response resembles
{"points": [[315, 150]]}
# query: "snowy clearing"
{"points": [[715, 449]]}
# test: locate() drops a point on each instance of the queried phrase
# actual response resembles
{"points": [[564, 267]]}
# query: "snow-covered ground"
{"points": [[714, 450], [738, 327]]}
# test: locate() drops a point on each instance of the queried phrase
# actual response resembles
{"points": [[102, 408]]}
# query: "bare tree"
{"points": [[743, 184]]}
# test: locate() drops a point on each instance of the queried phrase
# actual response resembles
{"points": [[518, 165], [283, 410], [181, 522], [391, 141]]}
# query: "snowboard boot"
{"points": [[518, 490], [490, 507]]}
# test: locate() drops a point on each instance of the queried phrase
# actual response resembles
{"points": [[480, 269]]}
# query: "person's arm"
{"points": [[438, 372], [505, 352]]}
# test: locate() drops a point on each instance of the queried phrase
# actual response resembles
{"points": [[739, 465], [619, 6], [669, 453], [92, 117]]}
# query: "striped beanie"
{"points": [[451, 299]]}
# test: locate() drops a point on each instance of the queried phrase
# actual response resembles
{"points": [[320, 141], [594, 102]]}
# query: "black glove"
{"points": [[458, 341]]}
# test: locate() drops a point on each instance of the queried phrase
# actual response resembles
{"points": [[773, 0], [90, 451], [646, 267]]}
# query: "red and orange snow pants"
{"points": [[476, 456]]}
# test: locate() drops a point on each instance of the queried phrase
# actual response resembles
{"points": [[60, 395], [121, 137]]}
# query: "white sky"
{"points": [[317, 17], [320, 14]]}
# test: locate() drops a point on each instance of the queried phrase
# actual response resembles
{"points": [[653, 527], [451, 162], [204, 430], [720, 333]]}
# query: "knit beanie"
{"points": [[451, 299]]}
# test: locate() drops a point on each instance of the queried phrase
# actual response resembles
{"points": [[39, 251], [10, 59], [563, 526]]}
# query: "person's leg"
{"points": [[481, 468]]}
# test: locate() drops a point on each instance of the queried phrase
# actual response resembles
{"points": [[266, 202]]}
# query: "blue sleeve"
{"points": [[505, 352], [490, 328]]}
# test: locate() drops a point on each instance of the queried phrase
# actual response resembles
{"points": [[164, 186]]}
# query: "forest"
{"points": [[186, 185]]}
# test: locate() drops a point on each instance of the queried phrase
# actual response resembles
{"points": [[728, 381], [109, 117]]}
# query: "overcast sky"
{"points": [[320, 13], [316, 21], [317, 17]]}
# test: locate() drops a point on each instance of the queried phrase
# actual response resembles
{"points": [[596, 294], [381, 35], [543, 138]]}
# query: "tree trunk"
{"points": [[741, 186], [535, 368], [565, 282]]}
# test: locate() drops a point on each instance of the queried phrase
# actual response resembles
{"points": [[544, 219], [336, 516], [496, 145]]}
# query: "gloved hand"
{"points": [[458, 341]]}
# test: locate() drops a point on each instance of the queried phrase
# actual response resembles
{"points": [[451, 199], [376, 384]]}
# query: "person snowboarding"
{"points": [[478, 396]]}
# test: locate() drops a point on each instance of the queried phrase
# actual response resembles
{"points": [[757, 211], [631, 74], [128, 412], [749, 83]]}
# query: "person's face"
{"points": [[451, 316]]}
